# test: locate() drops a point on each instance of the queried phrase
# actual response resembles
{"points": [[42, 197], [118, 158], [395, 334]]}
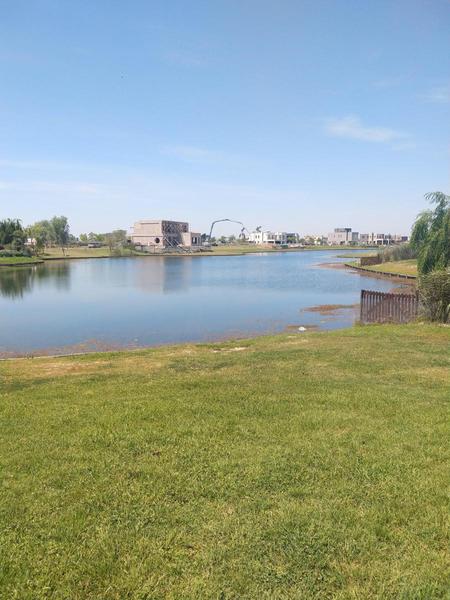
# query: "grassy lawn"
{"points": [[399, 267], [295, 466], [223, 250], [404, 267], [18, 260], [76, 252]]}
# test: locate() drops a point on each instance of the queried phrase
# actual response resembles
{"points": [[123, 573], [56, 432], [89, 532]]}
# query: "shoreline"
{"points": [[410, 279], [384, 274], [239, 252]]}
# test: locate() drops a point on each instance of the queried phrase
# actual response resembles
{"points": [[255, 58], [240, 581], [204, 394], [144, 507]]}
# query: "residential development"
{"points": [[273, 238], [153, 235], [344, 236]]}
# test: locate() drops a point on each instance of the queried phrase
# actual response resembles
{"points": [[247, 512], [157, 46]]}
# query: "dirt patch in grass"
{"points": [[235, 349], [332, 265]]}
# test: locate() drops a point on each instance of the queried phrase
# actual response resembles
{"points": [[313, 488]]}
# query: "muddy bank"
{"points": [[332, 265], [330, 309]]}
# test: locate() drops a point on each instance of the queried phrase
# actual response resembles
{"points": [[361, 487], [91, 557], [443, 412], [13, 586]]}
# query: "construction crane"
{"points": [[241, 235]]}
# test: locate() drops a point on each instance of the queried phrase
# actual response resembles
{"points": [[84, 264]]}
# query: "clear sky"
{"points": [[291, 114]]}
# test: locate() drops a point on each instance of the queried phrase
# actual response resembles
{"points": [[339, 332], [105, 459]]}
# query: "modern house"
{"points": [[382, 239], [343, 236], [273, 238], [164, 234]]}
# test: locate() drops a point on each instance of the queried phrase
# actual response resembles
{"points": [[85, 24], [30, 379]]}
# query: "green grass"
{"points": [[222, 250], [76, 252], [403, 267], [398, 267], [295, 466], [18, 260]]}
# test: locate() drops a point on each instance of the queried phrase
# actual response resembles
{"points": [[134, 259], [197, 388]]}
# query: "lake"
{"points": [[78, 305]]}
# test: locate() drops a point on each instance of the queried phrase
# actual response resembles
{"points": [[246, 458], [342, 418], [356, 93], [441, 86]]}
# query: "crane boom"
{"points": [[221, 221]]}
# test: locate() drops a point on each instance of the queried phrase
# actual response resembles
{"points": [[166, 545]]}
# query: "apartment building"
{"points": [[381, 239], [343, 236]]}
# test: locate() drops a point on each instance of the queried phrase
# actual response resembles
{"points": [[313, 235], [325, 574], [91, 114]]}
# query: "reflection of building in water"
{"points": [[14, 283], [164, 275], [151, 234]]}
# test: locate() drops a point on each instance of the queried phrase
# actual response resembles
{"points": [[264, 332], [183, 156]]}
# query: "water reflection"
{"points": [[165, 275], [16, 282]]}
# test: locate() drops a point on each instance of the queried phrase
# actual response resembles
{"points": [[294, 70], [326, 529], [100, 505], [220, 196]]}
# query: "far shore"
{"points": [[73, 253]]}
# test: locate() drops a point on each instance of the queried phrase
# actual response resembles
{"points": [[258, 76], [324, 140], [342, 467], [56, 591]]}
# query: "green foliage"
{"points": [[430, 237], [95, 237], [10, 253], [12, 234], [434, 289], [48, 232], [113, 239], [42, 233], [395, 253], [60, 229]]}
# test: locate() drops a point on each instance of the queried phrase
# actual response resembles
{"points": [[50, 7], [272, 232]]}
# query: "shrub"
{"points": [[434, 292], [11, 253], [402, 252]]}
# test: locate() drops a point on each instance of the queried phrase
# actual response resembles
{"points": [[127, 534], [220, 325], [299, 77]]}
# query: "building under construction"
{"points": [[151, 234]]}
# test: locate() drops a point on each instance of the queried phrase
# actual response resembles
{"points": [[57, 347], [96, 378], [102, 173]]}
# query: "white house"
{"points": [[272, 238]]}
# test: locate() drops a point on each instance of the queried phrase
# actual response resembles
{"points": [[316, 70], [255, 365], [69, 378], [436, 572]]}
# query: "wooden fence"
{"points": [[378, 307]]}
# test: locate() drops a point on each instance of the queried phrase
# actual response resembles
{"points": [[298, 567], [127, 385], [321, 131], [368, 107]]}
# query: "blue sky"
{"points": [[293, 115]]}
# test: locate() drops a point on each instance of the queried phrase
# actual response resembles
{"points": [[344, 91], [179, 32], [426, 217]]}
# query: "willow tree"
{"points": [[430, 236]]}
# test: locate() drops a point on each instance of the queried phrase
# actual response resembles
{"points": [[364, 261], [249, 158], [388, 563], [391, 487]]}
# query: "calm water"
{"points": [[87, 304]]}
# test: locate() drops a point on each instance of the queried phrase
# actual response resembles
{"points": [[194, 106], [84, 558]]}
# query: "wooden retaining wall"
{"points": [[380, 307], [381, 273]]}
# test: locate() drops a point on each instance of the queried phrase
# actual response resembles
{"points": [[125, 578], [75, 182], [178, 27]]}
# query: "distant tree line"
{"points": [[13, 236], [114, 239], [17, 240]]}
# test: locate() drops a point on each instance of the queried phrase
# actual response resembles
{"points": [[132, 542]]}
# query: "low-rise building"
{"points": [[273, 238], [382, 239], [164, 234], [343, 236]]}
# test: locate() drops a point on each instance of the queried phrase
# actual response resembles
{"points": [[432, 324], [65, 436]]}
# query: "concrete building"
{"points": [[382, 239], [164, 234], [343, 236]]}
